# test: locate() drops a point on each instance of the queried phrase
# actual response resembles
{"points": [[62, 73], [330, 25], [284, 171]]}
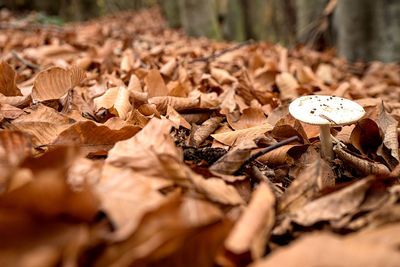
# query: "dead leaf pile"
{"points": [[124, 143]]}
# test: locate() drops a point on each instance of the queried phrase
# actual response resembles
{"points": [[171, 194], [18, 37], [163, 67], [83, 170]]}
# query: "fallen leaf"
{"points": [[92, 138], [222, 76], [251, 117], [141, 151], [168, 68], [363, 165], [366, 136], [333, 206], [178, 103], [216, 189], [158, 236], [229, 138], [155, 84], [308, 250], [312, 179], [251, 232], [287, 85], [205, 129], [55, 82], [121, 189], [390, 149], [42, 123], [177, 119], [115, 99], [234, 159], [8, 79]]}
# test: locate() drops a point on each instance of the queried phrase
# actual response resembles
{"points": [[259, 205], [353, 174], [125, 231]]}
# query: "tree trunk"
{"points": [[270, 20], [171, 12], [234, 26], [199, 18], [257, 24], [369, 30], [388, 12]]}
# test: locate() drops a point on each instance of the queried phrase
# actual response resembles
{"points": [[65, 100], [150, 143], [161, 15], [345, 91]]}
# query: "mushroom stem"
{"points": [[326, 142]]}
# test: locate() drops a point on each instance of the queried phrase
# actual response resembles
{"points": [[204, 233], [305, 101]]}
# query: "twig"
{"points": [[245, 43], [26, 62], [270, 148]]}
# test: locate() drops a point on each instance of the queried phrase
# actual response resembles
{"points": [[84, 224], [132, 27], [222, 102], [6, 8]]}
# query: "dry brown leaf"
{"points": [[149, 110], [42, 123], [229, 138], [155, 84], [56, 199], [207, 101], [227, 101], [234, 159], [138, 118], [334, 206], [14, 142], [84, 172], [115, 99], [390, 146], [10, 112], [205, 129], [15, 146], [168, 68], [314, 177], [55, 82], [215, 189], [324, 73], [175, 88], [8, 77], [134, 84], [122, 189], [327, 249], [17, 101], [345, 134], [366, 136], [141, 152], [287, 85], [251, 117], [93, 138], [83, 62], [251, 232], [178, 103], [222, 76], [177, 119], [196, 118], [363, 165], [171, 228], [283, 155]]}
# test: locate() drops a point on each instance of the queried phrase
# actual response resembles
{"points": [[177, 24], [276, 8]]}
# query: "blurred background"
{"points": [[360, 30]]}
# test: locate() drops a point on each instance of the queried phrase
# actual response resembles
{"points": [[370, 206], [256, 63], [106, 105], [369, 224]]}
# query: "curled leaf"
{"points": [[115, 99], [55, 82], [8, 79]]}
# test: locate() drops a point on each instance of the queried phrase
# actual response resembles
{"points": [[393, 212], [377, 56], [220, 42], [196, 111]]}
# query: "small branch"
{"points": [[26, 62], [270, 148], [206, 59]]}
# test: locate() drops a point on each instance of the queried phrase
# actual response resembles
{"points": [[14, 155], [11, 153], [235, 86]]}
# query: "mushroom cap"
{"points": [[326, 110]]}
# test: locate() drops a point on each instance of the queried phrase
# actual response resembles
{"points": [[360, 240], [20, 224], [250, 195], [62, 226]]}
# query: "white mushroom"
{"points": [[326, 111]]}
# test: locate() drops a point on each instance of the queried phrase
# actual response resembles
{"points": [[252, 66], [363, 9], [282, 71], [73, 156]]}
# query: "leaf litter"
{"points": [[125, 143]]}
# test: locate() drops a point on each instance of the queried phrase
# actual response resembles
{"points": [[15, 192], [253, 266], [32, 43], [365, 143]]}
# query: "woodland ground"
{"points": [[124, 143]]}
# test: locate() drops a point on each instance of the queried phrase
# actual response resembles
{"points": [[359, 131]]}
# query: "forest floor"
{"points": [[125, 143]]}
